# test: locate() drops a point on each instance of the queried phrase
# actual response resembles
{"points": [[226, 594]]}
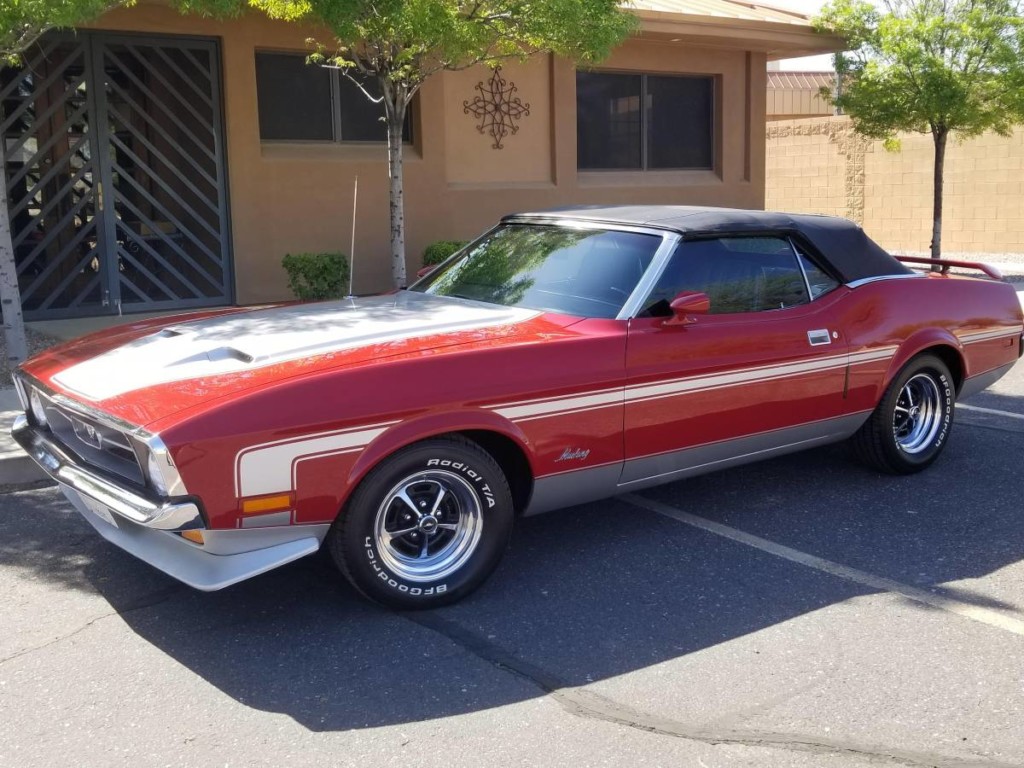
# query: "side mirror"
{"points": [[686, 306], [426, 270]]}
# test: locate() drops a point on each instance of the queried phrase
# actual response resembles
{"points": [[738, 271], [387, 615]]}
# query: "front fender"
{"points": [[429, 425]]}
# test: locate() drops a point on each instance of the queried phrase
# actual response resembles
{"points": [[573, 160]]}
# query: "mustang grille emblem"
{"points": [[87, 433]]}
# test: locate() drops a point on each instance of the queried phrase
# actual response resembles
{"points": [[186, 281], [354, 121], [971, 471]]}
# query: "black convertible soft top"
{"points": [[851, 253]]}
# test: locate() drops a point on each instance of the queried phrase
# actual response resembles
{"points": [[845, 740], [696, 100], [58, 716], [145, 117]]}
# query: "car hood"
{"points": [[183, 359]]}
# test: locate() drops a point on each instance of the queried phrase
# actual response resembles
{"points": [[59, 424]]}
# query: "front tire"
{"points": [[911, 424], [426, 526]]}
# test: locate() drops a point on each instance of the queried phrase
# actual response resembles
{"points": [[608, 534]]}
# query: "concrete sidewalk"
{"points": [[16, 468]]}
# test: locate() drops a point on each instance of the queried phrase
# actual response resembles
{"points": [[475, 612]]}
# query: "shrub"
{"points": [[441, 250], [315, 276]]}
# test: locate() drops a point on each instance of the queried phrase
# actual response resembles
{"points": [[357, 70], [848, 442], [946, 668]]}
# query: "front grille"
{"points": [[96, 443]]}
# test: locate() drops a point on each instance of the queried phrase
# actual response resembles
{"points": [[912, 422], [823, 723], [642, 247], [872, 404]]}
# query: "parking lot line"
{"points": [[973, 612], [992, 411]]}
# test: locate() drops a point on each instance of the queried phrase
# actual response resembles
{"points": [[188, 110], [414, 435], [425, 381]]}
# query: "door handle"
{"points": [[820, 337]]}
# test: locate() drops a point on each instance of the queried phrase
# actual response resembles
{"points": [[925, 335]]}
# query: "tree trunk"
{"points": [[396, 119], [939, 136], [10, 295]]}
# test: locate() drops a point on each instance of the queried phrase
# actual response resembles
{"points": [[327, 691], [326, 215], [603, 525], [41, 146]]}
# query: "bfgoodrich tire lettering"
{"points": [[427, 526], [912, 422]]}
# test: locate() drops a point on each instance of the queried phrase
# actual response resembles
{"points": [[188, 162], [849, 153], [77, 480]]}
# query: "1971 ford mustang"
{"points": [[563, 357]]}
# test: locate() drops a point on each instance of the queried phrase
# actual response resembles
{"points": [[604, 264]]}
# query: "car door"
{"points": [[763, 372]]}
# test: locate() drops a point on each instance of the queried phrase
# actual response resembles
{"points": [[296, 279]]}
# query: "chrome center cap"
{"points": [[915, 412], [428, 524]]}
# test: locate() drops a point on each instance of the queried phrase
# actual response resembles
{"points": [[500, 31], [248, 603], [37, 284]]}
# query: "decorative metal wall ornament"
{"points": [[497, 108]]}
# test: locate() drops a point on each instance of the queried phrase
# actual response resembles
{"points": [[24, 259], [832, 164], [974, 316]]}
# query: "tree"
{"points": [[21, 24], [389, 48], [945, 67]]}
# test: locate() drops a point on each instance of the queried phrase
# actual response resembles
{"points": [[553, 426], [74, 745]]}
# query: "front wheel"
{"points": [[911, 424], [427, 526]]}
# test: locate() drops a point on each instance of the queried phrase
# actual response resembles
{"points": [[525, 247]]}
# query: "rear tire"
{"points": [[426, 526], [911, 424]]}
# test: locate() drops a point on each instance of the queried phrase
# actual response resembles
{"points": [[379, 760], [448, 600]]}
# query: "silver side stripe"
{"points": [[870, 355], [716, 381], [971, 338], [586, 401], [267, 468]]}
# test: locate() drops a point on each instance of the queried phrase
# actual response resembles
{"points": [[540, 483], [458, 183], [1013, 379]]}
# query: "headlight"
{"points": [[38, 411], [156, 475]]}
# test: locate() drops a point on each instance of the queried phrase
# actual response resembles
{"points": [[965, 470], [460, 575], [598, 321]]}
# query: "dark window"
{"points": [[644, 121], [306, 102], [294, 98], [738, 274]]}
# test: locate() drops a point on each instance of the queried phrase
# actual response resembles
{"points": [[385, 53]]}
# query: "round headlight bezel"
{"points": [[35, 404], [155, 474]]}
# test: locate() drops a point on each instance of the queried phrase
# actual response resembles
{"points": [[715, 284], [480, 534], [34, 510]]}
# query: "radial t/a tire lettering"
{"points": [[426, 526], [911, 424]]}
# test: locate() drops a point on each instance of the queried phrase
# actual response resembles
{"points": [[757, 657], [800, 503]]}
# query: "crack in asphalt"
{"points": [[146, 601], [583, 703]]}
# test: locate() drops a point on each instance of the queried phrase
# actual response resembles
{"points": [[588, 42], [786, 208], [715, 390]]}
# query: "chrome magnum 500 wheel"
{"points": [[426, 526], [911, 424]]}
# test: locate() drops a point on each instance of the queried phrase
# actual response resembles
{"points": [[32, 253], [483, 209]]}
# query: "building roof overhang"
{"points": [[733, 24]]}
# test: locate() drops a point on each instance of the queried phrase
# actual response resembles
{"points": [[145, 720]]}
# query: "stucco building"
{"points": [[157, 161]]}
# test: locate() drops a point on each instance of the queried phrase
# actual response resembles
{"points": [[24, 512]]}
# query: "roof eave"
{"points": [[777, 40]]}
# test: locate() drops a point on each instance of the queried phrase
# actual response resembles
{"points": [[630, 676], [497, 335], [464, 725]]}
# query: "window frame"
{"points": [[797, 245], [336, 106], [713, 115]]}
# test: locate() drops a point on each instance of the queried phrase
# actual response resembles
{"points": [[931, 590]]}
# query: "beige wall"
{"points": [[821, 166], [793, 103], [293, 197]]}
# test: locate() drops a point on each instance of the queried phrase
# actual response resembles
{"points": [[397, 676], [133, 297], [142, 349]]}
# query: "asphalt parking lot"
{"points": [[799, 612]]}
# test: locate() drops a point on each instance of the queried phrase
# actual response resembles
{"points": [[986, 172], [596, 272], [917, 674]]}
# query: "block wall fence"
{"points": [[819, 165]]}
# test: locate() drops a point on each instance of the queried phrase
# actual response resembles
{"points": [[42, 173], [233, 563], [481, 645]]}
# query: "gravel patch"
{"points": [[37, 342]]}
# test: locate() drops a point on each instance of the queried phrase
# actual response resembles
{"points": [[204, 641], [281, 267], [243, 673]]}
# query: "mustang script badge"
{"points": [[574, 454]]}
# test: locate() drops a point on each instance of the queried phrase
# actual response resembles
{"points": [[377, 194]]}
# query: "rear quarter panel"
{"points": [[979, 320]]}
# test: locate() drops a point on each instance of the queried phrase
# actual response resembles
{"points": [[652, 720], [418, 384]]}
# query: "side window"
{"points": [[738, 274], [820, 281]]}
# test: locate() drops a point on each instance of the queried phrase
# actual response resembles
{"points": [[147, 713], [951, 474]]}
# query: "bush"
{"points": [[316, 276], [441, 250]]}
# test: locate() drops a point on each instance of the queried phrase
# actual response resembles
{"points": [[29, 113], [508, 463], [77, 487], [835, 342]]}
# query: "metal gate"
{"points": [[115, 175]]}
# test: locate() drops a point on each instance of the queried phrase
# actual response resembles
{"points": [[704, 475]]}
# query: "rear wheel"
{"points": [[427, 526], [911, 424]]}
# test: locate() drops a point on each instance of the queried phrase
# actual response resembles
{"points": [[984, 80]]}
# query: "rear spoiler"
{"points": [[944, 265]]}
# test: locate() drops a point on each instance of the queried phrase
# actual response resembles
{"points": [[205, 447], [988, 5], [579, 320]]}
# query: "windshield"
{"points": [[583, 272]]}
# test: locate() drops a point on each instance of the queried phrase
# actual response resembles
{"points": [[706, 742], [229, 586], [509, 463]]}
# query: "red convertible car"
{"points": [[563, 357]]}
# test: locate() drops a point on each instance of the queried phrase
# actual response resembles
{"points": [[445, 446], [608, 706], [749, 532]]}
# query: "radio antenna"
{"points": [[352, 250]]}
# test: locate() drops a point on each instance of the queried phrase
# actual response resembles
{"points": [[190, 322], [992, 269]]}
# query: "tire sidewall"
{"points": [[938, 371], [360, 554]]}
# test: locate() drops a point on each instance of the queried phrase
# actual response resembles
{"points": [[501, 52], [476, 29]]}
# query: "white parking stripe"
{"points": [[973, 612], [993, 411]]}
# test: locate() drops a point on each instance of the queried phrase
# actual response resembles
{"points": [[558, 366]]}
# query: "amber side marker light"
{"points": [[196, 537], [263, 504]]}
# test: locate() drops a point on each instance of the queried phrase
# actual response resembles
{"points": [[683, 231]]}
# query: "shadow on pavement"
{"points": [[584, 595]]}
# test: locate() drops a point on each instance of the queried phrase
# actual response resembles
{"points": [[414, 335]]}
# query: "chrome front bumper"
{"points": [[149, 529], [129, 504]]}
